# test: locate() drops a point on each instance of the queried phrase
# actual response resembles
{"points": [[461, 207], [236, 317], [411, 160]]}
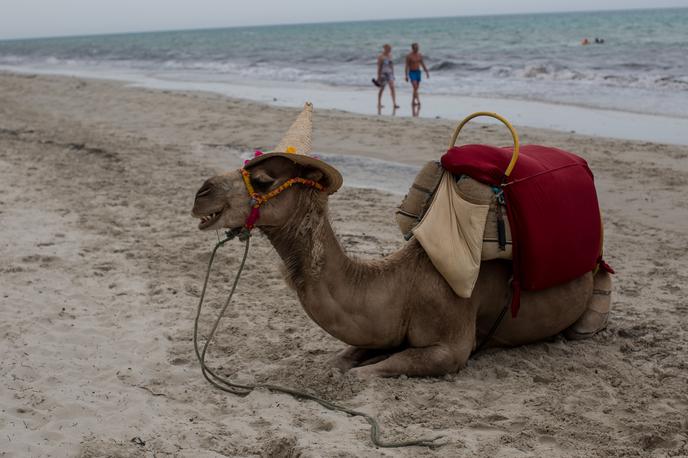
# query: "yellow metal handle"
{"points": [[514, 135]]}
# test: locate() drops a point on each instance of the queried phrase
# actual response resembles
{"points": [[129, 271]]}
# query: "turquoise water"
{"points": [[642, 65]]}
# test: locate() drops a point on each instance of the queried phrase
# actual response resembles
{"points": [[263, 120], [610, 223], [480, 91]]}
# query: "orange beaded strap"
{"points": [[257, 199]]}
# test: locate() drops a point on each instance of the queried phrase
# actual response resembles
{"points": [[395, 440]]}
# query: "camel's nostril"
{"points": [[205, 189]]}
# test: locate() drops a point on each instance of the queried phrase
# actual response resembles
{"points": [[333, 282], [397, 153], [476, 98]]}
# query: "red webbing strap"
{"points": [[516, 271]]}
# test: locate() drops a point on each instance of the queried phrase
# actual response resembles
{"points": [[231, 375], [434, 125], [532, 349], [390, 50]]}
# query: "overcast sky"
{"points": [[41, 18]]}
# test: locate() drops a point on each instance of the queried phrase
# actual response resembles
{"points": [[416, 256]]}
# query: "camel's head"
{"points": [[223, 200]]}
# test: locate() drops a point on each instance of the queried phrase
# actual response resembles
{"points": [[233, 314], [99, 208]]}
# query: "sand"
{"points": [[101, 267]]}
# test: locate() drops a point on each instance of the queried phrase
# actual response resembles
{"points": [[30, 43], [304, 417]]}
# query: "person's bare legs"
{"points": [[394, 95], [415, 100], [379, 100]]}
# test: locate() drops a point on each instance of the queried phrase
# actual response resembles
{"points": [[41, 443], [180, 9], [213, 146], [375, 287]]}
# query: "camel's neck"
{"points": [[334, 290], [309, 248]]}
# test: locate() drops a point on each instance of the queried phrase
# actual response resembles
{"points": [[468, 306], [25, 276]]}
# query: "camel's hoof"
{"points": [[587, 326], [593, 320], [363, 373], [340, 363], [596, 317]]}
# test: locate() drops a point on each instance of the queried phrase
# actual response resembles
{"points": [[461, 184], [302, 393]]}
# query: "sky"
{"points": [[44, 18]]}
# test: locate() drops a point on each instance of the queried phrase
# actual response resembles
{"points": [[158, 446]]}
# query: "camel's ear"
{"points": [[313, 174]]}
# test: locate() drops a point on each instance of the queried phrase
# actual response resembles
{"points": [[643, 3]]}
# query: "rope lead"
{"points": [[238, 389]]}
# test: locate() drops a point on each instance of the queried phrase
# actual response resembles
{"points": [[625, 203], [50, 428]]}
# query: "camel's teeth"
{"points": [[208, 218]]}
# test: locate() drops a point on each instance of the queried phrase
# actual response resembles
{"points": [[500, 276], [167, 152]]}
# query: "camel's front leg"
{"points": [[429, 361], [356, 356]]}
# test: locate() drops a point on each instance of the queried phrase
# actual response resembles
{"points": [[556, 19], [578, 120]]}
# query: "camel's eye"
{"points": [[262, 183]]}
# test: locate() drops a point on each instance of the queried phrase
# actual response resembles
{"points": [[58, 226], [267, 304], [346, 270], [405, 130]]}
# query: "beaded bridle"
{"points": [[259, 199]]}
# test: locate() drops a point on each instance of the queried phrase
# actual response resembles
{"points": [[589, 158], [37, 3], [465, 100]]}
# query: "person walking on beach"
{"points": [[414, 62], [385, 76]]}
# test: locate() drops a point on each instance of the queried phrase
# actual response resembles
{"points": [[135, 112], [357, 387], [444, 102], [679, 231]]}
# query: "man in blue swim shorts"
{"points": [[414, 62]]}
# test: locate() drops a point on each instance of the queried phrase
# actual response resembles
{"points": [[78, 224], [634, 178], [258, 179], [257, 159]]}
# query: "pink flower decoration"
{"points": [[258, 153]]}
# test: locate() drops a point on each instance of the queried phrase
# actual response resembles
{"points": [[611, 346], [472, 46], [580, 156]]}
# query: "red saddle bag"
{"points": [[552, 208]]}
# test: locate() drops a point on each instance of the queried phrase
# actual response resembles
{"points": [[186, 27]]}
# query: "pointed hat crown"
{"points": [[296, 145], [299, 136]]}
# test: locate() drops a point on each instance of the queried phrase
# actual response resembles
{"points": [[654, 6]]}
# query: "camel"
{"points": [[397, 314]]}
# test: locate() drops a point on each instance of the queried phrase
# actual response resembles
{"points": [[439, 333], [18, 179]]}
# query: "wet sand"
{"points": [[102, 265]]}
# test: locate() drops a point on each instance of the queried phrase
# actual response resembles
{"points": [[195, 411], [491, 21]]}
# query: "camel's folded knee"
{"points": [[596, 316], [429, 361], [446, 360]]}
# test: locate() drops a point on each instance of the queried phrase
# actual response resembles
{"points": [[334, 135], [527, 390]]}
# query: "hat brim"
{"points": [[332, 175]]}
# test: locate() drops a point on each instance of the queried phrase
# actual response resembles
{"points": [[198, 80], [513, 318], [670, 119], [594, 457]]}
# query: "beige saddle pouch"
{"points": [[451, 233]]}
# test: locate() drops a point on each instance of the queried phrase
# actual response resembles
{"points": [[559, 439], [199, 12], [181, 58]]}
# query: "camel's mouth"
{"points": [[209, 220]]}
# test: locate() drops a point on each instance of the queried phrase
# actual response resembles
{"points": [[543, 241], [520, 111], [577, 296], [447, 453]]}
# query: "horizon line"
{"points": [[288, 24]]}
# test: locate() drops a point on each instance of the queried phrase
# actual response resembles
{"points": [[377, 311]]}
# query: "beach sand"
{"points": [[101, 266]]}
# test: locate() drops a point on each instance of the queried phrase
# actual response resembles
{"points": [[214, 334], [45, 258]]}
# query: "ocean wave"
{"points": [[11, 59], [468, 66], [633, 66], [558, 72], [671, 82], [445, 65], [549, 71]]}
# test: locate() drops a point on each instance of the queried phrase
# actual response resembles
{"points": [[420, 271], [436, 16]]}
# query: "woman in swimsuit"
{"points": [[385, 76]]}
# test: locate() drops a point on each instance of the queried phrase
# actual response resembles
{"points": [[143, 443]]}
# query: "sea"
{"points": [[641, 67]]}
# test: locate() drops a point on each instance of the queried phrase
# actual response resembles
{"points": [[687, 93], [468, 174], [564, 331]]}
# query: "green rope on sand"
{"points": [[225, 384]]}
